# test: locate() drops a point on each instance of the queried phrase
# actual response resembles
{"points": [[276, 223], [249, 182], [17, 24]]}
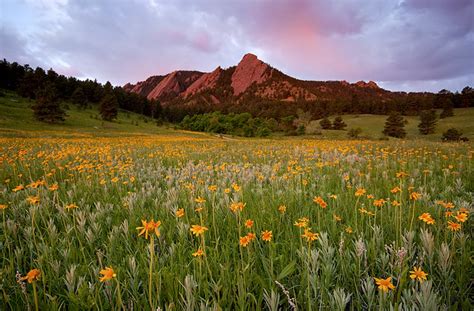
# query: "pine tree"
{"points": [[338, 124], [428, 120], [47, 107], [447, 109], [325, 123], [108, 107], [79, 98], [395, 125]]}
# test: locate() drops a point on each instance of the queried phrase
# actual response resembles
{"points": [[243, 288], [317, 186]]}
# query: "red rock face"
{"points": [[206, 81], [370, 84], [249, 70]]}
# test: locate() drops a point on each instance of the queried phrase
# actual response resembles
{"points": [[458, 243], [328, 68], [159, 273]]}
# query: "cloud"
{"points": [[409, 45]]}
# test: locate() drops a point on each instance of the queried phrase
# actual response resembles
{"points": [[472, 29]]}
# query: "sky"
{"points": [[411, 45]]}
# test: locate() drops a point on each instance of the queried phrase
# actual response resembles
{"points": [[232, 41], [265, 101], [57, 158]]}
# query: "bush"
{"points": [[338, 124], [325, 124], [301, 130], [354, 132], [453, 134]]}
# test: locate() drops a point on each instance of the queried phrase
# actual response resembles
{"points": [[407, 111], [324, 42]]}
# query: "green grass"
{"points": [[16, 119], [372, 126]]}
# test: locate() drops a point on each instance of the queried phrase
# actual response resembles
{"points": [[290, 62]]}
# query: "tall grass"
{"points": [[82, 200]]}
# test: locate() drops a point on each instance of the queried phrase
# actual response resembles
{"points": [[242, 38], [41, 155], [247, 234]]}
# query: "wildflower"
{"points": [[71, 206], [336, 218], [333, 196], [249, 223], [149, 227], [114, 180], [310, 236], [53, 187], [198, 209], [180, 213], [396, 190], [348, 230], [395, 203], [266, 236], [282, 209], [32, 275], [3, 206], [448, 214], [244, 241], [236, 187], [384, 284], [107, 274], [198, 253], [370, 196], [198, 230], [401, 174], [360, 192], [212, 188], [415, 196], [18, 188], [251, 236], [379, 202], [320, 201], [237, 206], [302, 222], [448, 205], [454, 226], [461, 217], [418, 274], [227, 190], [200, 200], [426, 217], [33, 200]]}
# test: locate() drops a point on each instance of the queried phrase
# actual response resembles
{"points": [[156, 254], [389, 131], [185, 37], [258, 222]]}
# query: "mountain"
{"points": [[256, 87]]}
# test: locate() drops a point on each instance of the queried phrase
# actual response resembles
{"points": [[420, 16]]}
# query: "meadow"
{"points": [[186, 222]]}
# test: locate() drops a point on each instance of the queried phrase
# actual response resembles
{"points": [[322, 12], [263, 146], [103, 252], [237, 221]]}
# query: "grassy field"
{"points": [[16, 119], [185, 222], [102, 216]]}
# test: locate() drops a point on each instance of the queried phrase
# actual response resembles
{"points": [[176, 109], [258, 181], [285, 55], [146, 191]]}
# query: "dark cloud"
{"points": [[417, 44]]}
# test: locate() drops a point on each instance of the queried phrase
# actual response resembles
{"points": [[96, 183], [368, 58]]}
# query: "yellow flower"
{"points": [[426, 217], [236, 187], [180, 213], [198, 230], [310, 236], [107, 274], [266, 236], [396, 190], [379, 202], [415, 196], [384, 284], [148, 227], [282, 209], [18, 188], [320, 202], [461, 217], [395, 203], [3, 206], [418, 274], [198, 253], [249, 223], [212, 188], [336, 218], [348, 230], [401, 174], [360, 192], [227, 190], [71, 206], [302, 222], [244, 241], [454, 226], [114, 180], [33, 200], [251, 236], [237, 206], [53, 187], [31, 276], [199, 200]]}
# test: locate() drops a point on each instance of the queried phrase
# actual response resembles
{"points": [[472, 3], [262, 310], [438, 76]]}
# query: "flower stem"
{"points": [[35, 295]]}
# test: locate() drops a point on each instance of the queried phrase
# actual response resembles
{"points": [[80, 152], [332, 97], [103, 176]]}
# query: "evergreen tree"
{"points": [[395, 125], [47, 107], [108, 107], [325, 123], [79, 98], [338, 124], [427, 122], [447, 109]]}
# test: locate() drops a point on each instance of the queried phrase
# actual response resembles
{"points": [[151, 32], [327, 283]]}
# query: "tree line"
{"points": [[49, 89]]}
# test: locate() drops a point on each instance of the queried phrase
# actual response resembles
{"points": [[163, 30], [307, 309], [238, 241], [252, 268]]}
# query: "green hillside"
{"points": [[16, 119]]}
